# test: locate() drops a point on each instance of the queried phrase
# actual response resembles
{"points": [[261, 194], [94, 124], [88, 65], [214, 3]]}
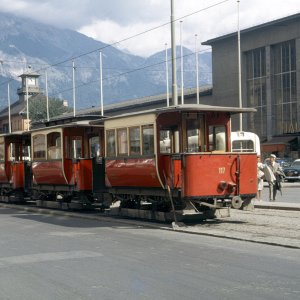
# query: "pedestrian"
{"points": [[260, 178], [278, 174]]}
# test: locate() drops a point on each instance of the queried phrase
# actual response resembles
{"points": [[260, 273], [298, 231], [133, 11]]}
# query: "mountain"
{"points": [[24, 42]]}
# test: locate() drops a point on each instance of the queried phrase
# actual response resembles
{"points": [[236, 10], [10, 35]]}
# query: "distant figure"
{"points": [[260, 178], [278, 174]]}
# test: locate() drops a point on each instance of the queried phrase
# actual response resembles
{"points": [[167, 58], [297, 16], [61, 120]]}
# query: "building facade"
{"points": [[18, 110], [270, 67]]}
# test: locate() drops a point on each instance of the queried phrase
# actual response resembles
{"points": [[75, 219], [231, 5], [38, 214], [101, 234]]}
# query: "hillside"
{"points": [[26, 42]]}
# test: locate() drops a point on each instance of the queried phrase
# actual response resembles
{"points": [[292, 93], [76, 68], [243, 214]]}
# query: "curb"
{"points": [[278, 206]]}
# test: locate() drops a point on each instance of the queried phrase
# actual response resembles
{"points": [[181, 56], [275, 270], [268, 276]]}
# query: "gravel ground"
{"points": [[278, 227]]}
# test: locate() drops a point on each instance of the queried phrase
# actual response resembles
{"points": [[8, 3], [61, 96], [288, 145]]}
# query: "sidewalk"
{"points": [[276, 205]]}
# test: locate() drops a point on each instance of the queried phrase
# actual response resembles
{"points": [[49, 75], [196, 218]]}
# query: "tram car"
{"points": [[66, 161], [170, 159], [15, 177]]}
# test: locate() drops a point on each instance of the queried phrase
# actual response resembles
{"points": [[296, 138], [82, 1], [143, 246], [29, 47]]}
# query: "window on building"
{"points": [[284, 106], [256, 90]]}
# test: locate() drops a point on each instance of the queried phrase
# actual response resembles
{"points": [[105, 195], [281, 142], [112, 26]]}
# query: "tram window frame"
{"points": [[242, 146], [122, 141], [75, 142], [14, 152], [2, 152], [134, 140], [165, 141], [54, 145], [39, 147], [215, 144], [148, 139], [110, 142], [95, 146]]}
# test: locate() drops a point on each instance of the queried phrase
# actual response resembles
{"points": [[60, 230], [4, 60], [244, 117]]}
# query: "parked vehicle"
{"points": [[292, 173]]}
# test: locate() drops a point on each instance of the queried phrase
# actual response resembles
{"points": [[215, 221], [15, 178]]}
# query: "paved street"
{"points": [[290, 192], [56, 257]]}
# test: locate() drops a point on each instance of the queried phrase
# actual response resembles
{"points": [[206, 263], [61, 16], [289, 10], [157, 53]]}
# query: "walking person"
{"points": [[260, 178], [278, 173]]}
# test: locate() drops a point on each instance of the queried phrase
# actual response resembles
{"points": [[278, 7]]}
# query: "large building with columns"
{"points": [[270, 70]]}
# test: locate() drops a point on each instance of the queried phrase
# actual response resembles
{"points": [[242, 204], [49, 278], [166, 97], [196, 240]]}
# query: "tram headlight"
{"points": [[231, 187], [222, 186]]}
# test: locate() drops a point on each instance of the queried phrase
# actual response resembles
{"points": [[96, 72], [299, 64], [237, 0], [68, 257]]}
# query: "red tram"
{"points": [[171, 156], [157, 161]]}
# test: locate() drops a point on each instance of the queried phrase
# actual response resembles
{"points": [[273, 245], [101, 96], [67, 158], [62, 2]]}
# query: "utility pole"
{"points": [[173, 47], [239, 64]]}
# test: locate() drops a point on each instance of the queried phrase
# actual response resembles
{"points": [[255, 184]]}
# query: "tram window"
{"points": [[76, 147], [217, 138], [2, 151], [148, 139], [122, 141], [193, 135], [39, 146], [26, 152], [165, 141], [54, 145], [243, 146], [134, 140], [14, 152], [110, 143], [94, 143]]}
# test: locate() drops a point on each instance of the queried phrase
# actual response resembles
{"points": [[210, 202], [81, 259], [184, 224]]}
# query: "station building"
{"points": [[270, 68]]}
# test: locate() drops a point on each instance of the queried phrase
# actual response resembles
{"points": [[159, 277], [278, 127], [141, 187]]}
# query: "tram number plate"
{"points": [[222, 170]]}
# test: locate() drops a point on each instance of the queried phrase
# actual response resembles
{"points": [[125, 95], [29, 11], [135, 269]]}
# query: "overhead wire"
{"points": [[118, 42]]}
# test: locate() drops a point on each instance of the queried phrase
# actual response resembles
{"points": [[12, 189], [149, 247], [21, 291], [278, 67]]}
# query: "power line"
{"points": [[118, 42]]}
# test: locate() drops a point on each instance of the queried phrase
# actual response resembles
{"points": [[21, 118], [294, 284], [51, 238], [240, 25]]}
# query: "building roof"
{"points": [[278, 22], [29, 73], [280, 140], [185, 107], [141, 102], [15, 109]]}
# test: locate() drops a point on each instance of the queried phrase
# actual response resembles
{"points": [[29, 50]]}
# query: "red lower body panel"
{"points": [[131, 172], [208, 175]]}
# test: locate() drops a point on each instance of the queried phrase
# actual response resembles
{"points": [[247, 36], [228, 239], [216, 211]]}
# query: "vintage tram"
{"points": [[171, 158], [164, 161]]}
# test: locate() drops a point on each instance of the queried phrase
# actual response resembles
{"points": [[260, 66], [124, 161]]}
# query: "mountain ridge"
{"points": [[25, 42]]}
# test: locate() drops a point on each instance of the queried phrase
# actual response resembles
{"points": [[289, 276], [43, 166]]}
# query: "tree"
{"points": [[38, 108]]}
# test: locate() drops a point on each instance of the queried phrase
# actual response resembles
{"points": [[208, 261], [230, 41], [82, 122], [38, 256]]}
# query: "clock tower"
{"points": [[31, 78]]}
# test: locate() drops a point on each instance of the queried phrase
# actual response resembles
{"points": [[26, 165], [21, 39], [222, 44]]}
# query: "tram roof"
{"points": [[63, 121], [186, 107]]}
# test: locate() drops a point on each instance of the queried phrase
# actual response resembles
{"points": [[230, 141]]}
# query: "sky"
{"points": [[116, 21]]}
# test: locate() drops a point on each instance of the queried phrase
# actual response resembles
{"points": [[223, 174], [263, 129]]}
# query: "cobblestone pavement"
{"points": [[277, 227]]}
